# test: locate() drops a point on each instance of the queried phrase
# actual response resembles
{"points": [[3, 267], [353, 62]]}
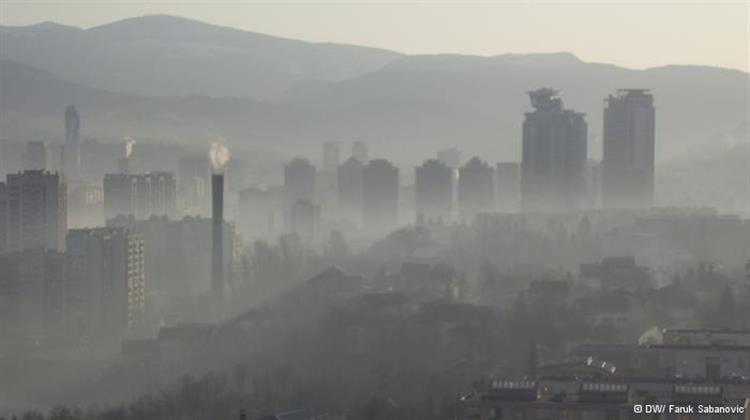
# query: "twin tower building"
{"points": [[555, 156]]}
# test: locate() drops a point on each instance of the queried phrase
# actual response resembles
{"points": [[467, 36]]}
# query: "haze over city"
{"points": [[374, 210]]}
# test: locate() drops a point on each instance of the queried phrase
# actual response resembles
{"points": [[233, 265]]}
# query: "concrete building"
{"points": [[72, 148], [433, 191], [628, 156], [600, 399], [299, 181], [554, 155], [141, 195], [32, 290], [476, 188], [695, 362], [508, 182], [37, 210], [350, 184], [106, 284], [380, 187], [35, 156], [304, 220], [183, 270]]}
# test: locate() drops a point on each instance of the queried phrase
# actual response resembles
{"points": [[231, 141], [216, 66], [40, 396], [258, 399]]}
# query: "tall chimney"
{"points": [[217, 258]]}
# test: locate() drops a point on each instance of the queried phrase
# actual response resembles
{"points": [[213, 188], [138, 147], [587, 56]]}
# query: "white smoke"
{"points": [[129, 143], [218, 155]]}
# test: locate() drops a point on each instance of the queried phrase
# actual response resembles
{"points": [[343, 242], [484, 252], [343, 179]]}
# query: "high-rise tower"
{"points": [[72, 148], [628, 158], [554, 155]]}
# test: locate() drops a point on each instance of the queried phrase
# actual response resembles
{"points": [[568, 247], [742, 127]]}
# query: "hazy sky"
{"points": [[632, 34]]}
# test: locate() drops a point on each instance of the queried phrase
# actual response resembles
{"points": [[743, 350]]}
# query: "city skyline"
{"points": [[199, 222]]}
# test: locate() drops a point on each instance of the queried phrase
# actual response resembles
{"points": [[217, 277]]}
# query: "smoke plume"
{"points": [[218, 154], [129, 143]]}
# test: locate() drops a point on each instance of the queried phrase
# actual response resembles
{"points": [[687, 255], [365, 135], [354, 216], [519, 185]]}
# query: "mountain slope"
{"points": [[163, 55]]}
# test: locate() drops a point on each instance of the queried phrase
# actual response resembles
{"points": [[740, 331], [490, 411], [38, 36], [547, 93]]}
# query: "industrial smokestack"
{"points": [[217, 260]]}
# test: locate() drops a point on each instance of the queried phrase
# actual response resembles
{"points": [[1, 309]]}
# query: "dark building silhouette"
{"points": [[476, 188], [140, 195], [72, 148], [380, 186], [508, 183], [433, 190], [35, 156], [350, 179], [628, 157], [554, 155], [299, 181], [37, 210]]}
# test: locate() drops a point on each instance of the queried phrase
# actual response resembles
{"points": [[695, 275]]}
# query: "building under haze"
{"points": [[35, 156], [476, 188], [331, 156], [360, 152], [554, 155], [36, 205], [106, 283], [140, 195], [179, 253], [628, 156], [380, 187], [350, 179], [72, 148], [32, 291], [304, 220], [433, 190], [299, 181]]}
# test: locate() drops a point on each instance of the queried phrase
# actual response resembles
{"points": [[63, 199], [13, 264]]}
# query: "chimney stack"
{"points": [[217, 260]]}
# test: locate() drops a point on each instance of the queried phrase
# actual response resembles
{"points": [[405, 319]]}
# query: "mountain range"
{"points": [[175, 79]]}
